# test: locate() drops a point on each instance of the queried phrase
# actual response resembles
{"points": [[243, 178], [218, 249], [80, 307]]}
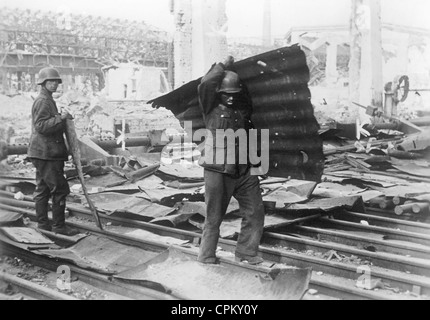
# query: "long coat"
{"points": [[47, 139]]}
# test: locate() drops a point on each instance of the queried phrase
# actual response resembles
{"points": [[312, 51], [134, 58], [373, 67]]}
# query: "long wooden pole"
{"points": [[73, 142]]}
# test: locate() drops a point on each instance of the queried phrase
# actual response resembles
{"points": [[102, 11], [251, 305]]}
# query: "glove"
{"points": [[65, 115], [229, 61]]}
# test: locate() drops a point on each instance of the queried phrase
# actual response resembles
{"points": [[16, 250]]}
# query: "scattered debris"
{"points": [[332, 255], [370, 283], [19, 196]]}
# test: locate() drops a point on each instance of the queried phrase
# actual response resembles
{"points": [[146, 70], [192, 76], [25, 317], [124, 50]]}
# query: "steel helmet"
{"points": [[48, 74], [230, 83]]}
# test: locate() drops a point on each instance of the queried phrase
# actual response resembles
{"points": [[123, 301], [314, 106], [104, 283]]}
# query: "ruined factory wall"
{"points": [[405, 51], [77, 45], [134, 82]]}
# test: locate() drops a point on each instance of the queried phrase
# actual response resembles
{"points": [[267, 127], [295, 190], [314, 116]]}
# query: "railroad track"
{"points": [[27, 290], [305, 246], [104, 283]]}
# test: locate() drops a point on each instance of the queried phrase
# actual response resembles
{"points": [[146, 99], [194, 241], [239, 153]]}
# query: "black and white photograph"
{"points": [[215, 156]]}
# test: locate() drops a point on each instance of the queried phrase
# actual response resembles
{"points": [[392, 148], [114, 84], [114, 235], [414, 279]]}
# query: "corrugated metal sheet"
{"points": [[277, 82]]}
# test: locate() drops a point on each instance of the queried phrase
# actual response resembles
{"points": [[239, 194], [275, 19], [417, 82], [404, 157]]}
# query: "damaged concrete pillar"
{"points": [[355, 59], [33, 81], [267, 23], [4, 81], [19, 80], [366, 64], [106, 82], [182, 10], [209, 34], [373, 62], [403, 53], [67, 82], [101, 81], [171, 64], [331, 63], [200, 38]]}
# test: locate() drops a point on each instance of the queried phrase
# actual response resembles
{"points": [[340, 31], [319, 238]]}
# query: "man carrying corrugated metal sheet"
{"points": [[227, 110]]}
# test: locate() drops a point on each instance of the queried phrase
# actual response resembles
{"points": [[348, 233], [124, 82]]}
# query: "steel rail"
{"points": [[388, 223], [368, 243], [351, 293], [390, 214], [408, 264], [419, 267], [407, 282], [33, 290], [102, 282], [335, 236], [388, 233], [357, 241], [385, 222], [385, 252]]}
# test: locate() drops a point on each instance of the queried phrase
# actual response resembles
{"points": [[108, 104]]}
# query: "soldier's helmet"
{"points": [[230, 83], [48, 74]]}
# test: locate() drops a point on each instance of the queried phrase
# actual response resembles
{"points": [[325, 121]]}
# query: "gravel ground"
{"points": [[45, 278]]}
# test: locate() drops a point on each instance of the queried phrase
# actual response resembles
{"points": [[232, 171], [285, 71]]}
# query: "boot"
{"points": [[42, 216], [210, 261], [252, 260], [59, 220], [66, 231], [58, 215]]}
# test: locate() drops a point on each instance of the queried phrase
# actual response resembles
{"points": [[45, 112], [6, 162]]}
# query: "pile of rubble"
{"points": [[387, 169], [15, 127], [94, 116], [393, 169], [168, 187]]}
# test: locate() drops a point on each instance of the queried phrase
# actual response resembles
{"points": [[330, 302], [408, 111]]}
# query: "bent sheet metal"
{"points": [[277, 83], [133, 207], [100, 254], [184, 277]]}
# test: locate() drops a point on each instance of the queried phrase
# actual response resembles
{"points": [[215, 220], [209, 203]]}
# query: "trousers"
{"points": [[220, 188], [50, 182]]}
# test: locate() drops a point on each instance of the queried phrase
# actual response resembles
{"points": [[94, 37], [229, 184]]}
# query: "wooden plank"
{"points": [[352, 147], [359, 164]]}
